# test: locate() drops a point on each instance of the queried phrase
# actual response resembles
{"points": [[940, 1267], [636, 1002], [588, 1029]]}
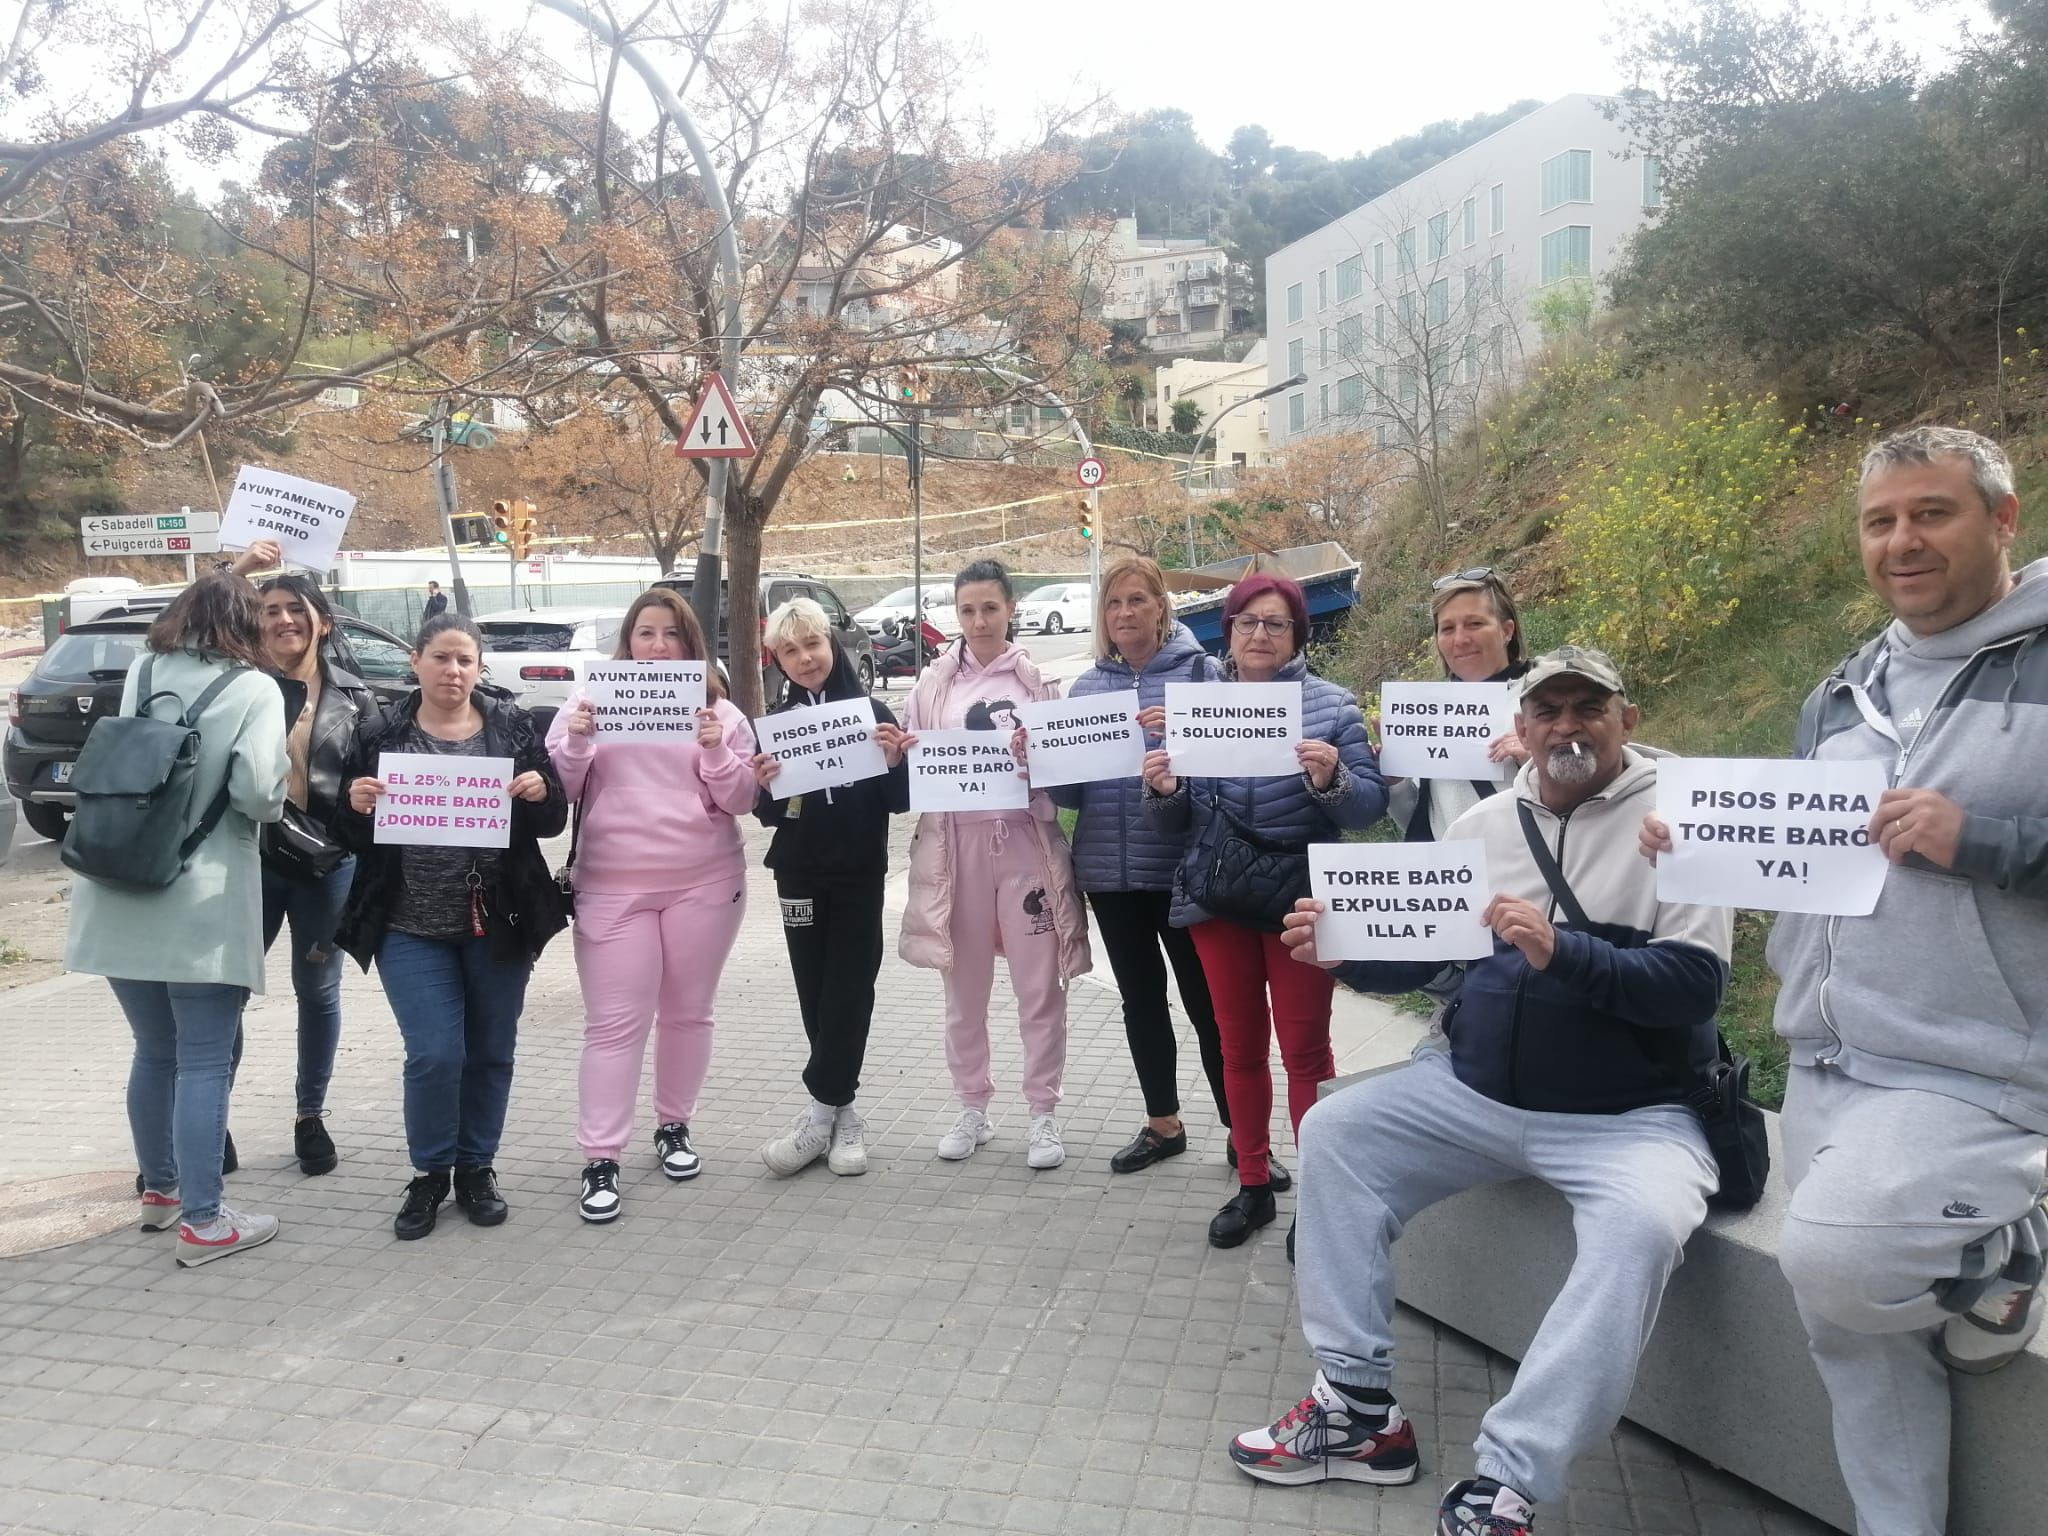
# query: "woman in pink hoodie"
{"points": [[661, 887], [988, 883]]}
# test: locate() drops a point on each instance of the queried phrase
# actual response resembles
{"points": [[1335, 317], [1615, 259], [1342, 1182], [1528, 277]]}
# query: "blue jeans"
{"points": [[458, 1009], [178, 1084], [314, 907]]}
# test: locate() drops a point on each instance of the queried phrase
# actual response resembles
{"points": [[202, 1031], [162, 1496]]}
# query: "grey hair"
{"points": [[798, 619], [1990, 469]]}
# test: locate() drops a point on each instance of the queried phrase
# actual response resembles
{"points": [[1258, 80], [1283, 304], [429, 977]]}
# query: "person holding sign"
{"points": [[1916, 1107], [1125, 863], [1244, 860], [988, 883], [660, 875], [454, 930], [830, 856], [1574, 1047]]}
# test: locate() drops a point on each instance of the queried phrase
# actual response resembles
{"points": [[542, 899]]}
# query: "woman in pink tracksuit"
{"points": [[661, 887], [988, 883]]}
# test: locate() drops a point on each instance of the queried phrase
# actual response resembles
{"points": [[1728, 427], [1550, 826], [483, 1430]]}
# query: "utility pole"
{"points": [[444, 496], [914, 460]]}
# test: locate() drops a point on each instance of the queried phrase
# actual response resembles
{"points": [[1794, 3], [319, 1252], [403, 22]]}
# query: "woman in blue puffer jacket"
{"points": [[1339, 789], [1125, 862]]}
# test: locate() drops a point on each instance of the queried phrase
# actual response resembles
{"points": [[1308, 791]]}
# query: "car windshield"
{"points": [[527, 635], [900, 598], [80, 657]]}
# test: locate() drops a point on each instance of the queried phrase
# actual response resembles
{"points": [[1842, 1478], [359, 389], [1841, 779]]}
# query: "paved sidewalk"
{"points": [[934, 1347]]}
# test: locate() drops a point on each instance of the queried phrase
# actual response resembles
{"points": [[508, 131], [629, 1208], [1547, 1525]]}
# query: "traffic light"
{"points": [[501, 523], [1085, 512], [525, 527], [911, 388]]}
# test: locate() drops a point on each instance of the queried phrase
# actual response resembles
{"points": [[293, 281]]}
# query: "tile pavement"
{"points": [[931, 1348]]}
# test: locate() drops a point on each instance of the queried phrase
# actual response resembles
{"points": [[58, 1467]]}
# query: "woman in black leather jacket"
{"points": [[306, 869]]}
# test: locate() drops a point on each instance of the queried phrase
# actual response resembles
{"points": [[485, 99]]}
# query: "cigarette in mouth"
{"points": [[1578, 750]]}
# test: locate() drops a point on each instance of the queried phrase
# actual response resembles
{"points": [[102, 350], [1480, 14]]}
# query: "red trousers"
{"points": [[1242, 966]]}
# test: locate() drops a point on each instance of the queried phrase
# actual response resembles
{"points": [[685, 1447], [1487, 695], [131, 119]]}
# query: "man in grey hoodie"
{"points": [[1916, 1115]]}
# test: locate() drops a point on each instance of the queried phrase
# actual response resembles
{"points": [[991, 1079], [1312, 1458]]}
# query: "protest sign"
{"points": [[450, 802], [1081, 741], [645, 700], [966, 771], [1401, 901], [306, 519], [1233, 730], [1771, 835], [821, 746], [1443, 730]]}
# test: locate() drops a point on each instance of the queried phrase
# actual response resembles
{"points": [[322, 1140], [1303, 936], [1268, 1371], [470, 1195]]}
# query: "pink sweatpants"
{"points": [[999, 888], [648, 962]]}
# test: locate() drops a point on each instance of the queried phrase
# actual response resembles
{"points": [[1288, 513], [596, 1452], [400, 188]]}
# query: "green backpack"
{"points": [[135, 780]]}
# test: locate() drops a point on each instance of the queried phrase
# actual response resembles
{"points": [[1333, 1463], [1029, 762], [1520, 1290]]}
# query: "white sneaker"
{"points": [[849, 1154], [1045, 1150], [229, 1232], [2001, 1324], [971, 1130], [802, 1145]]}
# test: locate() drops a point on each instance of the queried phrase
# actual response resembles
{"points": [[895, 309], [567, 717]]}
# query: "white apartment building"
{"points": [[1237, 440], [1179, 288], [1404, 311]]}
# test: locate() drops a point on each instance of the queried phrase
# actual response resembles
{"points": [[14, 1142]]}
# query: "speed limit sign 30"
{"points": [[1091, 472]]}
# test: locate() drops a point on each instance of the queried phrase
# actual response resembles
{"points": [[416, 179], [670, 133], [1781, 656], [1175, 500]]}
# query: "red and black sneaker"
{"points": [[1324, 1437], [1480, 1506]]}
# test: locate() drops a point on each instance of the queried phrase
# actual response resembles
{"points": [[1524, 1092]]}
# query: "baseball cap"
{"points": [[1577, 661]]}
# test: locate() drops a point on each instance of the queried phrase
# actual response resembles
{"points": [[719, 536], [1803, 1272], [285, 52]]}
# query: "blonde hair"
{"points": [[1144, 570], [798, 619]]}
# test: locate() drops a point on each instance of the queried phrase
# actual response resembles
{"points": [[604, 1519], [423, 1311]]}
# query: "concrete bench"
{"points": [[1726, 1375]]}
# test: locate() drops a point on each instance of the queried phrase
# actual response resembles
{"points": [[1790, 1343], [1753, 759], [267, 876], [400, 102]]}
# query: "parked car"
{"points": [[79, 678], [535, 652], [938, 601], [1062, 606], [777, 588]]}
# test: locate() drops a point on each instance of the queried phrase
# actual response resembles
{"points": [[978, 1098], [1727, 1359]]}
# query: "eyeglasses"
{"points": [[1456, 578], [1251, 624]]}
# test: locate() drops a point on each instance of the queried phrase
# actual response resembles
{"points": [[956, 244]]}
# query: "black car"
{"points": [[79, 679], [777, 588]]}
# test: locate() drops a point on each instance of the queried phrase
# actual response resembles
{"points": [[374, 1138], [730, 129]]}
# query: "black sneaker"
{"points": [[313, 1146], [476, 1191], [1481, 1507], [679, 1160], [422, 1208], [1276, 1171], [1246, 1211], [600, 1201], [1148, 1147]]}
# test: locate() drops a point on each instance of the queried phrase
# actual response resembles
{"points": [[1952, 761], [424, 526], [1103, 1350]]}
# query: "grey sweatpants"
{"points": [[1375, 1154], [1897, 1195]]}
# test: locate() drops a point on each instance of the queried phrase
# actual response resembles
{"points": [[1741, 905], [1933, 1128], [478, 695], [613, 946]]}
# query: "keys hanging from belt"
{"points": [[477, 910]]}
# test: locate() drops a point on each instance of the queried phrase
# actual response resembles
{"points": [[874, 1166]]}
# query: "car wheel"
{"points": [[865, 667], [46, 819], [1052, 624]]}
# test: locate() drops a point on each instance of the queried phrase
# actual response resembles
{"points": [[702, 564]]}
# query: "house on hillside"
{"points": [[1404, 313], [887, 278], [1186, 293], [1238, 440]]}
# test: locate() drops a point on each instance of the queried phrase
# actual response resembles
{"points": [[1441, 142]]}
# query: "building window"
{"points": [[1350, 278], [1297, 413], [1350, 336], [1404, 251], [1469, 361], [1497, 277], [1471, 221], [1351, 395], [1379, 381], [1379, 263], [1323, 347], [1653, 182], [1567, 178], [1404, 311], [1497, 350], [1497, 209], [1323, 289], [1322, 402], [1379, 324], [1293, 303], [1440, 302], [1439, 236], [1409, 392], [1568, 252], [1469, 297], [1294, 357]]}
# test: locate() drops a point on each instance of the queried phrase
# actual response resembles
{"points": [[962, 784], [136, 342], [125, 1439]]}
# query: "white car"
{"points": [[938, 609], [1061, 606], [536, 652]]}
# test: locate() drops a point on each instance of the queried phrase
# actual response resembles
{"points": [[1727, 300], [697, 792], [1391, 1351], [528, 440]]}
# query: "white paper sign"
{"points": [[966, 771], [821, 746], [1082, 741], [1401, 901], [1771, 835], [1233, 730], [645, 700], [1443, 730], [449, 802], [306, 519]]}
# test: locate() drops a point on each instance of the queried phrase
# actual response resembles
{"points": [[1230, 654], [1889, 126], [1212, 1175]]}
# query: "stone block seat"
{"points": [[1726, 1375]]}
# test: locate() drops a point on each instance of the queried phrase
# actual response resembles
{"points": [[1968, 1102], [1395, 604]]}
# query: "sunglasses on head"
{"points": [[1456, 578]]}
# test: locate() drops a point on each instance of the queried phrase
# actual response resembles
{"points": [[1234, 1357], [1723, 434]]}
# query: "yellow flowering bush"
{"points": [[1656, 538]]}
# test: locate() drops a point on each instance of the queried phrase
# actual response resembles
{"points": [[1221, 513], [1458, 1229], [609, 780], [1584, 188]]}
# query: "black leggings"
{"points": [[1134, 926], [834, 932]]}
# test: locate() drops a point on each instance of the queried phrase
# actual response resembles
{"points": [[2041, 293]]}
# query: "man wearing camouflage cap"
{"points": [[1573, 1048]]}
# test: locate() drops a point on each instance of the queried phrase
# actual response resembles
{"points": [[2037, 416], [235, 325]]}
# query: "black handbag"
{"points": [[1243, 876], [565, 877], [1733, 1121], [298, 848]]}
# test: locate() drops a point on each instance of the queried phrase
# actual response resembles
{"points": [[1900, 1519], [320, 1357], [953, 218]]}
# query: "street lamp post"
{"points": [[1195, 454]]}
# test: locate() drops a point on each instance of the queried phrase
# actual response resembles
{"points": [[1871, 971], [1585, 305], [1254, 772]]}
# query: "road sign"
{"points": [[145, 522], [150, 543], [716, 430], [1091, 472]]}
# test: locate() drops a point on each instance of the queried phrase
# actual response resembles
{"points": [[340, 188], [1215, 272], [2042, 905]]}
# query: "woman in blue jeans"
{"points": [[454, 930], [183, 959]]}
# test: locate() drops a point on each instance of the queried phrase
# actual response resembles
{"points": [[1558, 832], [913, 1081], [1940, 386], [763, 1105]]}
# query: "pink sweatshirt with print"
{"points": [[657, 815]]}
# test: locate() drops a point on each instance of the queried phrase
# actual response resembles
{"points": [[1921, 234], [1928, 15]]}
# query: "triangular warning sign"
{"points": [[716, 430]]}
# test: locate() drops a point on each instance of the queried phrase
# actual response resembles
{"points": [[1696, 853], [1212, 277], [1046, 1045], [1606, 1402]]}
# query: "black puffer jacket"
{"points": [[524, 908], [843, 833]]}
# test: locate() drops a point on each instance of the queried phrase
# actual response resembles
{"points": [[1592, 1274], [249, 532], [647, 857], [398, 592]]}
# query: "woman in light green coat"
{"points": [[183, 960]]}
